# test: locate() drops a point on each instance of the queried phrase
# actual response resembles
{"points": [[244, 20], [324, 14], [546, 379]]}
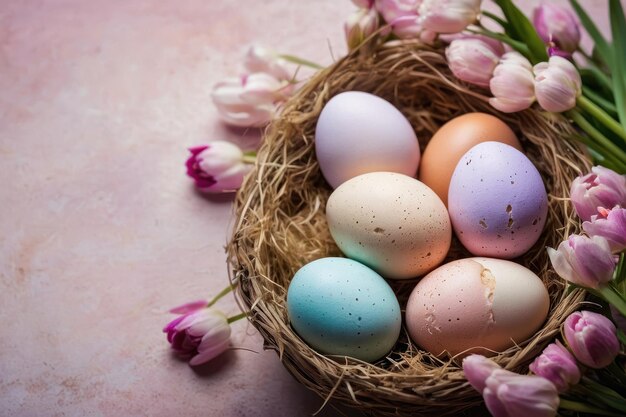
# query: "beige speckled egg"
{"points": [[476, 305], [390, 222]]}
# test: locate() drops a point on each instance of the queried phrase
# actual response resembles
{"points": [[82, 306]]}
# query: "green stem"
{"points": [[606, 158], [237, 317], [495, 18], [608, 106], [602, 78], [249, 157], [620, 271], [517, 45], [602, 116], [602, 140], [610, 294], [221, 294], [296, 60], [585, 408]]}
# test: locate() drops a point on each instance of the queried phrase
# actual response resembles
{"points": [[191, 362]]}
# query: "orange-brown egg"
{"points": [[453, 140]]}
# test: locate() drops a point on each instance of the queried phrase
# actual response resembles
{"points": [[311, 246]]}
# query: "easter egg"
{"points": [[390, 222], [359, 132], [341, 307], [452, 140], [497, 201], [476, 305]]}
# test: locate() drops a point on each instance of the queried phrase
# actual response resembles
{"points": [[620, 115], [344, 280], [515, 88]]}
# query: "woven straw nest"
{"points": [[281, 226]]}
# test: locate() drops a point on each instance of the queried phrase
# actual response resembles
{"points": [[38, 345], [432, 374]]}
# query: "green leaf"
{"points": [[523, 30], [600, 43], [618, 30], [621, 336]]}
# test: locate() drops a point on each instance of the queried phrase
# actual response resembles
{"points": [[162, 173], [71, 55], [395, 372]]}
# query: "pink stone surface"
{"points": [[100, 231]]}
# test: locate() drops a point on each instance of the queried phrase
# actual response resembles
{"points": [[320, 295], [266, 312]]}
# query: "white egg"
{"points": [[358, 132]]}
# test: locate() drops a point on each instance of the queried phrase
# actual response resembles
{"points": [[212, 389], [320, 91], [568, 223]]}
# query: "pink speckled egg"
{"points": [[497, 201], [476, 305], [359, 132], [390, 222]]}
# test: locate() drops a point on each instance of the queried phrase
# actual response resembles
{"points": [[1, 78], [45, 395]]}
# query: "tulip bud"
{"points": [[601, 188], [202, 333], [592, 338], [260, 59], [508, 394], [402, 16], [477, 369], [251, 100], [448, 16], [512, 84], [557, 84], [217, 167], [558, 366], [556, 24], [584, 261], [473, 59], [359, 26], [611, 225]]}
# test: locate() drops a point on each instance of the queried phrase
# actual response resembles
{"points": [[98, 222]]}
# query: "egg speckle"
{"points": [[341, 307], [390, 222]]}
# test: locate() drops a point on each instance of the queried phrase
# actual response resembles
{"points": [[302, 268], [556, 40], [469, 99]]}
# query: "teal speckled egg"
{"points": [[341, 307]]}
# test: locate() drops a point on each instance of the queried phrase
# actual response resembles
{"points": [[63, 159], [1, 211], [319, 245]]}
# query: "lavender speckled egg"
{"points": [[497, 201]]}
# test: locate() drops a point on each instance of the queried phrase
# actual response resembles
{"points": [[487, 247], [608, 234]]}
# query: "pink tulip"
{"points": [[260, 59], [473, 59], [584, 261], [200, 333], [513, 84], [217, 167], [477, 369], [557, 84], [250, 100], [601, 188], [359, 26], [611, 225], [558, 366], [402, 16], [508, 394], [448, 16], [557, 24], [592, 338]]}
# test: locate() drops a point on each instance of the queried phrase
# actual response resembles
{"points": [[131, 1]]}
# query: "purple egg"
{"points": [[497, 201]]}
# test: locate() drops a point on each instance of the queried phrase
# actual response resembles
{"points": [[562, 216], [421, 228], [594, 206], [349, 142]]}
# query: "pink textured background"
{"points": [[100, 231]]}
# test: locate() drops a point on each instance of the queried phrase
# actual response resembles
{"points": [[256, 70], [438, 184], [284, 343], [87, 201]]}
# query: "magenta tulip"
{"points": [[600, 188], [556, 24], [558, 366], [611, 225], [217, 167], [200, 334], [592, 338], [584, 261]]}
